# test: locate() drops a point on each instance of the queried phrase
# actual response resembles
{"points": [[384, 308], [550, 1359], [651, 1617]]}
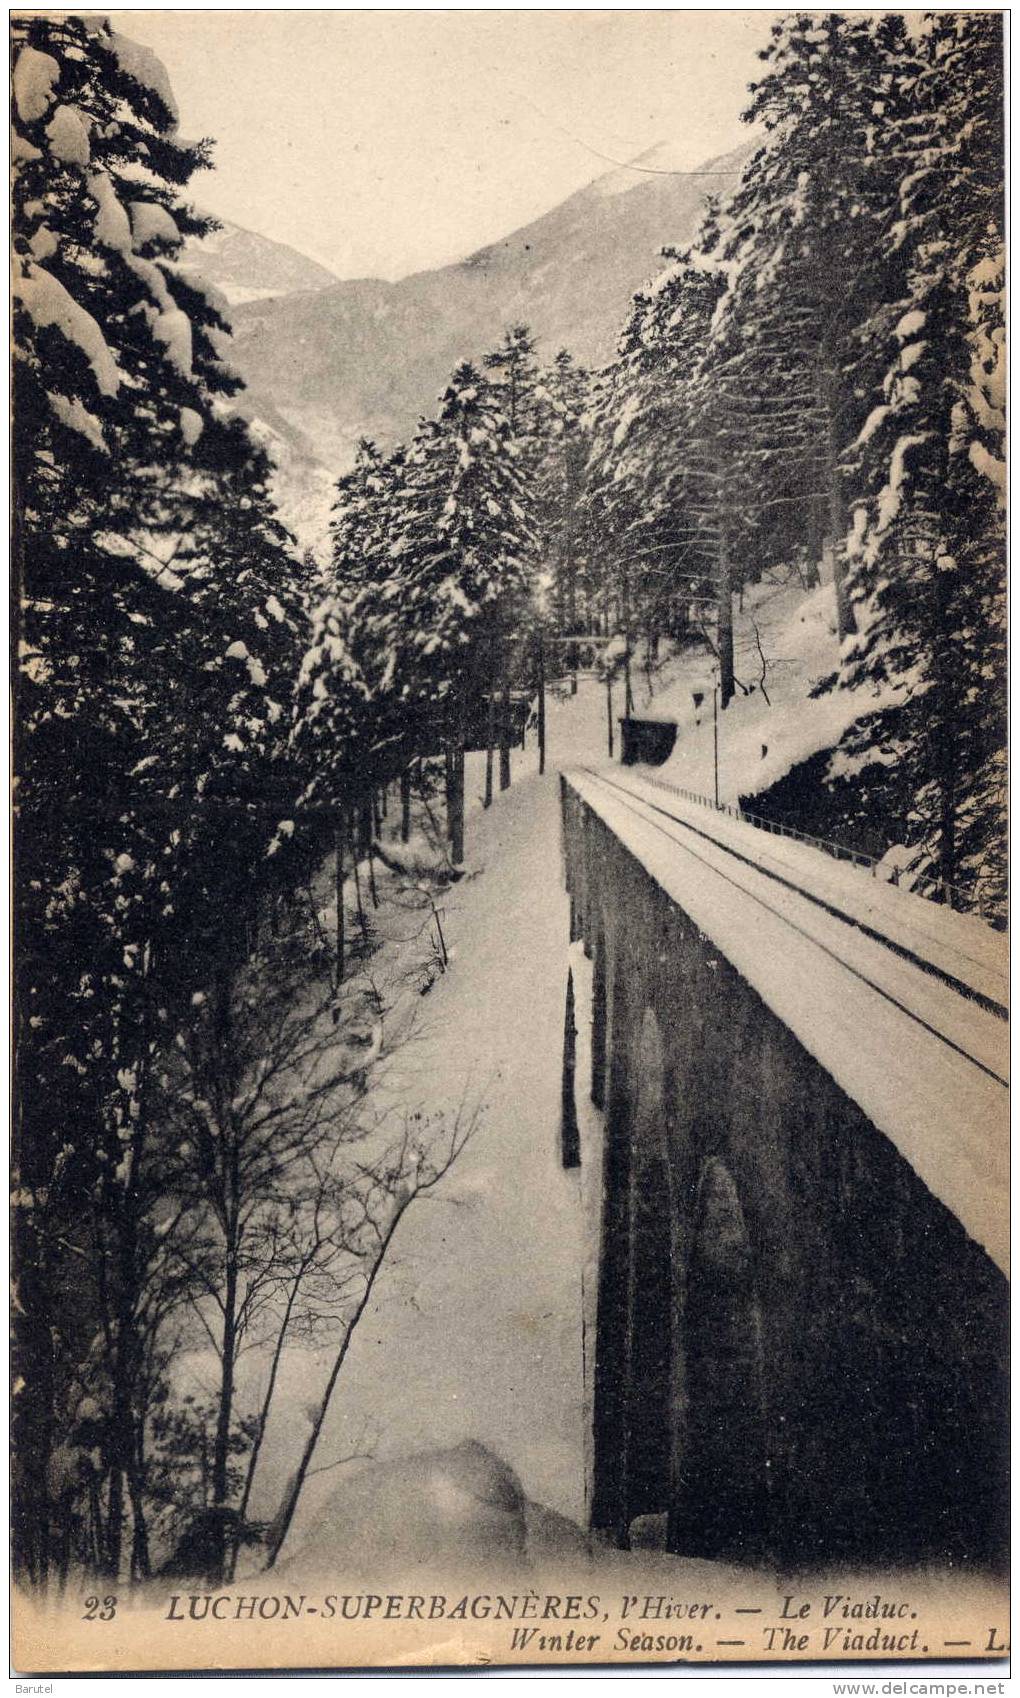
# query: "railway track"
{"points": [[709, 847], [906, 1011]]}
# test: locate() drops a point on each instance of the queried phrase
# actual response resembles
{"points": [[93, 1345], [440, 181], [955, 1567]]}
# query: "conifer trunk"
{"points": [[356, 868], [338, 885], [224, 1413], [628, 692], [457, 845], [504, 736], [405, 805], [571, 601], [490, 738], [817, 514], [541, 703], [947, 721], [846, 624], [450, 785], [490, 727], [725, 623]]}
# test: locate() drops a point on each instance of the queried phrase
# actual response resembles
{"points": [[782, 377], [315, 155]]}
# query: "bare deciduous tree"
{"points": [[375, 1203]]}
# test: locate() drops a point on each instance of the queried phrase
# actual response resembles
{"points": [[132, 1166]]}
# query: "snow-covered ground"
{"points": [[476, 1327], [481, 1324], [784, 642]]}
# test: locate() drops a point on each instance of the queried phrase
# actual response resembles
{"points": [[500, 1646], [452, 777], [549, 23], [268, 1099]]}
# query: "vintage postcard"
{"points": [[510, 982]]}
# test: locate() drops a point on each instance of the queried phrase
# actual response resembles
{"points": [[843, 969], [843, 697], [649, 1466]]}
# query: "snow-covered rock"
{"points": [[440, 1512]]}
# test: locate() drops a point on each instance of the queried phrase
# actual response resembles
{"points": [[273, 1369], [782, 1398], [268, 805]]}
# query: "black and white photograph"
{"points": [[510, 959]]}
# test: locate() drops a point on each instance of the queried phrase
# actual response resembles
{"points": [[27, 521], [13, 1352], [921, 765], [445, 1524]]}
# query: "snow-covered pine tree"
{"points": [[331, 736], [464, 554], [517, 381], [145, 554], [650, 499], [352, 729], [801, 241], [560, 484], [927, 540], [368, 584], [359, 525]]}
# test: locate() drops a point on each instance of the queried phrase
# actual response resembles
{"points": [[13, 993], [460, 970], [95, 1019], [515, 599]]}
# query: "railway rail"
{"points": [[903, 1003]]}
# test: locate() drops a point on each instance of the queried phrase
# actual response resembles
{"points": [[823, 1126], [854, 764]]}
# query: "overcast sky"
{"points": [[383, 142]]}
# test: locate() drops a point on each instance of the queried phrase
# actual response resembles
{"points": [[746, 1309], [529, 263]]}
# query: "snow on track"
{"points": [[925, 1063], [959, 947]]}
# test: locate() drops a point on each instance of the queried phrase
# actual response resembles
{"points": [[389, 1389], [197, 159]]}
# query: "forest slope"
{"points": [[367, 358]]}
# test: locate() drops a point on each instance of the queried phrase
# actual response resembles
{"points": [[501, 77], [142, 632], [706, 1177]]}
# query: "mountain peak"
{"points": [[246, 266], [333, 361]]}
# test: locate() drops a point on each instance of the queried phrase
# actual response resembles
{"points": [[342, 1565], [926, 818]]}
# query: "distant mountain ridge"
{"points": [[245, 266], [327, 363]]}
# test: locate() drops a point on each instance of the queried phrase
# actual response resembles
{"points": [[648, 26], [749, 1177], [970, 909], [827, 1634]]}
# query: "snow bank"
{"points": [[761, 740], [444, 1511]]}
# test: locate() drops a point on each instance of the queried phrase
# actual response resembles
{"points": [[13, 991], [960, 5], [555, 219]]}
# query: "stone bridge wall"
{"points": [[800, 1353]]}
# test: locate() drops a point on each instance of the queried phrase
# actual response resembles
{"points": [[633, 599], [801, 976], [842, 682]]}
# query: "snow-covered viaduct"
{"points": [[801, 1336]]}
